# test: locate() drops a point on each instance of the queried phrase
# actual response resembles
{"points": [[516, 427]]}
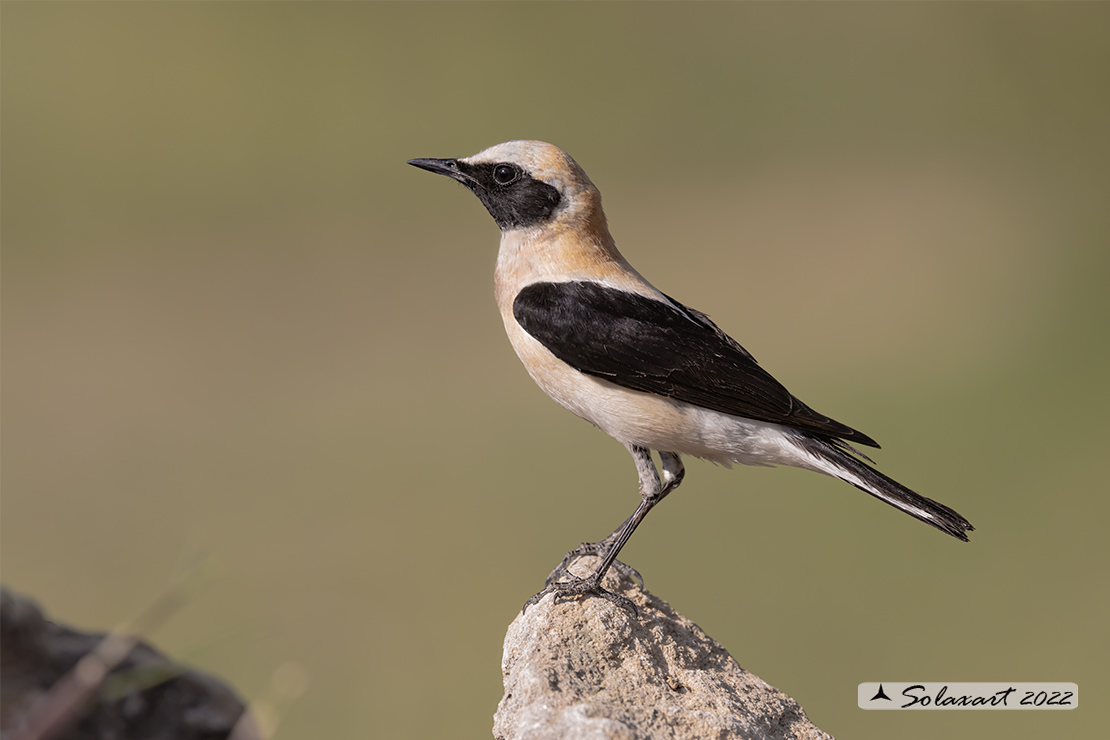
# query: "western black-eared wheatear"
{"points": [[652, 373]]}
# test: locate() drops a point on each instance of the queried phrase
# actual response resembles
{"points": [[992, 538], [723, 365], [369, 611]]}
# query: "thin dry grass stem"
{"points": [[63, 704], [287, 684]]}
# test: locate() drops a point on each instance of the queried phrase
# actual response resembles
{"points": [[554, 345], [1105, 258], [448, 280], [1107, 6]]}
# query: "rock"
{"points": [[146, 696], [587, 669]]}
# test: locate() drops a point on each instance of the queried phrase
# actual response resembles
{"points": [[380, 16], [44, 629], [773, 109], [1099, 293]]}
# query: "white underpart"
{"points": [[656, 422]]}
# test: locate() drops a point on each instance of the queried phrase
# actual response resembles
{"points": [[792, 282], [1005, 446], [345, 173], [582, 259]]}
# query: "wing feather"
{"points": [[669, 350]]}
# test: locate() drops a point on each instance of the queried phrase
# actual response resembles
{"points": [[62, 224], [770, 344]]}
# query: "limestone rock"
{"points": [[587, 669]]}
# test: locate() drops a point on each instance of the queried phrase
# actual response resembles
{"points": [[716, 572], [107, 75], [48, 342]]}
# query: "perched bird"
{"points": [[654, 374]]}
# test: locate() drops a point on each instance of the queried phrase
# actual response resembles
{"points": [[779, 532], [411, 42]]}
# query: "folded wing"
{"points": [[647, 345]]}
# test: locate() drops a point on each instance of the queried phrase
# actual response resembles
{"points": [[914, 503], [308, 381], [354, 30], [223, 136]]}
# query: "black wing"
{"points": [[646, 345]]}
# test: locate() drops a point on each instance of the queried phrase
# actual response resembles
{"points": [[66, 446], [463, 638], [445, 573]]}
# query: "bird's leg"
{"points": [[649, 481], [673, 473], [592, 548], [652, 491]]}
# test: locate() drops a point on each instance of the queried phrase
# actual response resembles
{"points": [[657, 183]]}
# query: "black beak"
{"points": [[449, 167]]}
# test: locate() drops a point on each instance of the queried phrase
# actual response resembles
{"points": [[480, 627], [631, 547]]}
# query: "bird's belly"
{"points": [[652, 421]]}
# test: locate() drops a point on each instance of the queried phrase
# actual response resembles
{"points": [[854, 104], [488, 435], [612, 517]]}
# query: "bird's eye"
{"points": [[503, 174]]}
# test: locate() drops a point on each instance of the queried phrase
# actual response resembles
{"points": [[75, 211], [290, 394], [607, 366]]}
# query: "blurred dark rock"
{"points": [[585, 668], [146, 696]]}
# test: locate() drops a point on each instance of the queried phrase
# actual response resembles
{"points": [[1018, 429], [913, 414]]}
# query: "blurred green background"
{"points": [[236, 326]]}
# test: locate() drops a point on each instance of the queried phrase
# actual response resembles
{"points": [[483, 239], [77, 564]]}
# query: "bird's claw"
{"points": [[586, 548], [589, 548], [581, 587]]}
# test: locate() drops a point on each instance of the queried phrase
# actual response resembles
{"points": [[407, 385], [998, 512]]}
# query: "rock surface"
{"points": [[146, 696], [587, 669]]}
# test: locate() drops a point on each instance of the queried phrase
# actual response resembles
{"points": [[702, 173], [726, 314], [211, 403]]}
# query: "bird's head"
{"points": [[525, 184]]}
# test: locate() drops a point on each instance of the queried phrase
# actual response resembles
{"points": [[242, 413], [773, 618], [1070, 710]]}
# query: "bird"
{"points": [[653, 373]]}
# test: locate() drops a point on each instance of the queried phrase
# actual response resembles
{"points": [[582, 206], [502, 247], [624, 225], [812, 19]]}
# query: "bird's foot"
{"points": [[580, 587], [589, 548]]}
